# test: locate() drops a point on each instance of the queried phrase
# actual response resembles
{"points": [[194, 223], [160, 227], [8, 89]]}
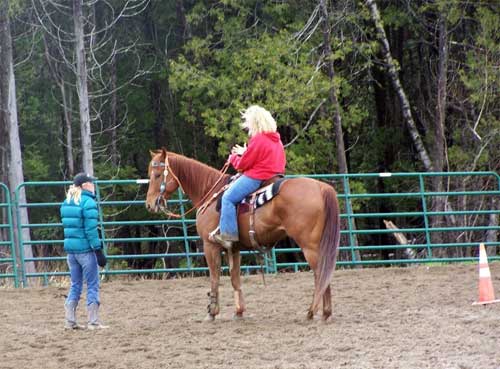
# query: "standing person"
{"points": [[79, 216], [262, 159]]}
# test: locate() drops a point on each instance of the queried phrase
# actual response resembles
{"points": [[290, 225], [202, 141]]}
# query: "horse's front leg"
{"points": [[239, 302], [213, 257]]}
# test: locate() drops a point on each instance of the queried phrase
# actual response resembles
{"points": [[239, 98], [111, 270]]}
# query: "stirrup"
{"points": [[228, 245]]}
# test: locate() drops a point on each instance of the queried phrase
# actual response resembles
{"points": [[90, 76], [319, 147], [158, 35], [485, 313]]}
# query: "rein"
{"points": [[207, 202], [160, 200]]}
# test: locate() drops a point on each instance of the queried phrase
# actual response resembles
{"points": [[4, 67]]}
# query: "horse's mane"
{"points": [[196, 177]]}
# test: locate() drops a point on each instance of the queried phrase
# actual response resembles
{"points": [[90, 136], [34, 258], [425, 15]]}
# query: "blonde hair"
{"points": [[257, 120], [75, 193]]}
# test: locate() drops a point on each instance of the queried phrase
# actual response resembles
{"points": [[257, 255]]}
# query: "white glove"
{"points": [[239, 150]]}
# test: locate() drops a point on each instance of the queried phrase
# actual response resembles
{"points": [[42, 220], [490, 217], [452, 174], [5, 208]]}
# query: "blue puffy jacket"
{"points": [[80, 224]]}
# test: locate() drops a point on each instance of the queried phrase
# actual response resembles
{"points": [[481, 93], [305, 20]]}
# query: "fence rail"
{"points": [[141, 243]]}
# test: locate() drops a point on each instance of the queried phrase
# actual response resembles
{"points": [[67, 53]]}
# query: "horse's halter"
{"points": [[161, 202]]}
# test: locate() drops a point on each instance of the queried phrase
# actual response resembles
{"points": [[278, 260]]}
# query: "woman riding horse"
{"points": [[263, 159], [304, 209]]}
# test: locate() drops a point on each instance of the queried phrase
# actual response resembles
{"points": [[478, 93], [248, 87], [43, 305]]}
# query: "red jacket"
{"points": [[264, 157]]}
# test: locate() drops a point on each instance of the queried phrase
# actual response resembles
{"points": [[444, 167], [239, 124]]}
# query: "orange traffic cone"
{"points": [[486, 293]]}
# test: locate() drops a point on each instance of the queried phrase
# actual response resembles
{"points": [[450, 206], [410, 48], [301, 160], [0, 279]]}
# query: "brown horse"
{"points": [[305, 209]]}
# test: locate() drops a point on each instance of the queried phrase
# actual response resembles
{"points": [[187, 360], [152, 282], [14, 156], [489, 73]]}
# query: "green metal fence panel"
{"points": [[138, 242], [451, 242], [8, 262], [151, 244]]}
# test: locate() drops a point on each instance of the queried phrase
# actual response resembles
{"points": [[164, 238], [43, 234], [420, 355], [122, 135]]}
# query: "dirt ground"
{"points": [[414, 317]]}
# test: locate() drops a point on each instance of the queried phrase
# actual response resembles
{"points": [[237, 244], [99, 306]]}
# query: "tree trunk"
{"points": [[83, 95], [160, 138], [438, 152], [8, 106], [66, 106], [113, 123], [184, 27], [438, 157], [332, 95], [70, 161], [396, 84], [4, 178]]}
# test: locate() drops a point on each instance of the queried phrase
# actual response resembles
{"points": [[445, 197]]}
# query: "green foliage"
{"points": [[270, 70], [35, 167], [396, 17], [480, 77]]}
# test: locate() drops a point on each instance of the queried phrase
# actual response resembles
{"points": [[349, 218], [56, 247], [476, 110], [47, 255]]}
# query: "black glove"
{"points": [[101, 258]]}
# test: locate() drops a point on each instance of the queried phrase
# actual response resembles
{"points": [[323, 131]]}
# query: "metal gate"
{"points": [[8, 265]]}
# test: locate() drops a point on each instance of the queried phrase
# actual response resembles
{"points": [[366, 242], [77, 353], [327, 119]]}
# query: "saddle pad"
{"points": [[264, 195]]}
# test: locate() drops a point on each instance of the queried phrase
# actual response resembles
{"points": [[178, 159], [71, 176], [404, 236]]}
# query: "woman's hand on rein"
{"points": [[239, 150]]}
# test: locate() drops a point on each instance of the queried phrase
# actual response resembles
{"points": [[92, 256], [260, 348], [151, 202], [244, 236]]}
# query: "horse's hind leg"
{"points": [[213, 257], [312, 259], [327, 304], [239, 302]]}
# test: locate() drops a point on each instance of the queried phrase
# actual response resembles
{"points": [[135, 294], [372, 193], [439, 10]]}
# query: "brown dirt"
{"points": [[415, 317]]}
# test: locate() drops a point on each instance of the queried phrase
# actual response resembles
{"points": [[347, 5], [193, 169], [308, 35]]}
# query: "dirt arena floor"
{"points": [[414, 317]]}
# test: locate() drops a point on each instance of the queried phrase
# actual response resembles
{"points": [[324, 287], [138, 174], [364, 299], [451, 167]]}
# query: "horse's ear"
{"points": [[163, 152], [152, 153]]}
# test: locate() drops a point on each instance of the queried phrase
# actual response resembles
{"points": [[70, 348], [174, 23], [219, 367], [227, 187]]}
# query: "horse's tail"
{"points": [[328, 245]]}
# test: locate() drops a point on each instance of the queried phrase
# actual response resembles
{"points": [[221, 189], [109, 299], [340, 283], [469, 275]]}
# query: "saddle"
{"points": [[267, 191]]}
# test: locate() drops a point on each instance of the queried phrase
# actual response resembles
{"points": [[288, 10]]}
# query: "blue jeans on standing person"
{"points": [[83, 267], [238, 190]]}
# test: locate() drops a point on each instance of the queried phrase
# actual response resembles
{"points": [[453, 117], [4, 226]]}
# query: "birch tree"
{"points": [[81, 87], [396, 84], [10, 122], [89, 50]]}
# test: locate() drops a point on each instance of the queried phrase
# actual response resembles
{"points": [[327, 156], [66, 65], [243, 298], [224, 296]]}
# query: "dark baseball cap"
{"points": [[82, 178]]}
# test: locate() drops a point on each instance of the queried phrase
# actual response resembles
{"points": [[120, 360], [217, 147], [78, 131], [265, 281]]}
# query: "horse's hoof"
{"points": [[209, 318], [310, 315], [238, 316], [327, 317]]}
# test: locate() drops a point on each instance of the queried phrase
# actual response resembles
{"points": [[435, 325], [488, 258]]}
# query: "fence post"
{"points": [[428, 240], [19, 238], [184, 229], [10, 231], [348, 207], [101, 223]]}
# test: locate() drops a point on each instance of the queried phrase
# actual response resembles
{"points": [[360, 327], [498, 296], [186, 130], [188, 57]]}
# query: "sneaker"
{"points": [[97, 326], [73, 325]]}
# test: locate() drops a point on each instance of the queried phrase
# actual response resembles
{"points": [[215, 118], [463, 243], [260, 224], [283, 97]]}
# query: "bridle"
{"points": [[161, 202]]}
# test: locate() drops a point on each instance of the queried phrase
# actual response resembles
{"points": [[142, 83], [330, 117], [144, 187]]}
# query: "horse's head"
{"points": [[162, 181]]}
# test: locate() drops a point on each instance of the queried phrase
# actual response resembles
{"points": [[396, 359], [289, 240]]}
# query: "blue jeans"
{"points": [[242, 187], [83, 267]]}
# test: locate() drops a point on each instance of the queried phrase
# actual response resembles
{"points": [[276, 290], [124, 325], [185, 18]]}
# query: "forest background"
{"points": [[355, 86]]}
